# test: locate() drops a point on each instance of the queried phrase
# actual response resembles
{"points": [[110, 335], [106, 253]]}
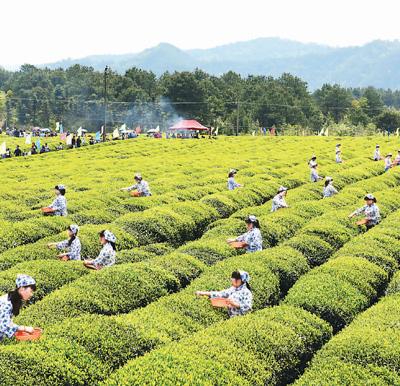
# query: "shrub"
{"points": [[49, 274], [366, 352], [267, 347], [339, 289]]}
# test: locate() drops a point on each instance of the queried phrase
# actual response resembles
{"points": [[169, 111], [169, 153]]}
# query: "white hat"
{"points": [[282, 189], [138, 176], [328, 178]]}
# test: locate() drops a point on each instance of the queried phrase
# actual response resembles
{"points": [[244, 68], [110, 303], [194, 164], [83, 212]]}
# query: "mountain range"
{"points": [[374, 64]]}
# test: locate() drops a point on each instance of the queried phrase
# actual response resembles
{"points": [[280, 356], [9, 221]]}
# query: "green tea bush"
{"points": [[366, 352], [51, 274], [263, 348], [339, 289]]}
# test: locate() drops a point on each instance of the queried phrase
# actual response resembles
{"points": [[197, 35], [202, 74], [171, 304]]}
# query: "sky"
{"points": [[44, 31]]}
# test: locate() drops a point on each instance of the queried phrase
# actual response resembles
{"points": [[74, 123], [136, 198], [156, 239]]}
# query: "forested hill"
{"points": [[374, 64]]}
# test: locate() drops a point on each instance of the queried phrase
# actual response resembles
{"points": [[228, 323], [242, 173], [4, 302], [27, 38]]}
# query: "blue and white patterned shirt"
{"points": [[232, 185], [73, 250], [60, 206], [314, 175], [278, 202], [142, 187], [329, 191], [106, 257], [253, 239], [371, 213], [240, 295], [7, 327]]}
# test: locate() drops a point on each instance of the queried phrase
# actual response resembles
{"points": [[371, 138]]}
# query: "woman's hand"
{"points": [[29, 330], [232, 303], [230, 241], [202, 293]]}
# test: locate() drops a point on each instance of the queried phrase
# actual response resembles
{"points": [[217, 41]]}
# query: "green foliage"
{"points": [[262, 348], [366, 352]]}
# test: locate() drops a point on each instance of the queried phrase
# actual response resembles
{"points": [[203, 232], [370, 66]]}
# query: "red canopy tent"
{"points": [[188, 124]]}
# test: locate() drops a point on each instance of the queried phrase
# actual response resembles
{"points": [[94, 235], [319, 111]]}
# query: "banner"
{"points": [[115, 134], [3, 148], [326, 132], [57, 126], [28, 139], [216, 132]]}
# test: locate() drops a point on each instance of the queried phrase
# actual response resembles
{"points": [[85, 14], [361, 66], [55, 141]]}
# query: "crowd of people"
{"points": [[237, 299]]}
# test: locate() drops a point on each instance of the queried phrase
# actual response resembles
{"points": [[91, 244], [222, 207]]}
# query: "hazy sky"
{"points": [[40, 31]]}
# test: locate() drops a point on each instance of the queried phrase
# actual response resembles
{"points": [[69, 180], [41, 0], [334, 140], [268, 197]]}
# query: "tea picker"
{"points": [[371, 212], [315, 177], [59, 205], [279, 202], [11, 304], [252, 239], [107, 254], [232, 184], [238, 299], [71, 246], [140, 188], [388, 161], [329, 190], [338, 153], [377, 153]]}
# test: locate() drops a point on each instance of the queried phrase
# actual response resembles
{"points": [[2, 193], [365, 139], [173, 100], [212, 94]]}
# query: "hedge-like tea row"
{"points": [[263, 348], [118, 289], [177, 315], [341, 288], [178, 368], [367, 352], [49, 304]]}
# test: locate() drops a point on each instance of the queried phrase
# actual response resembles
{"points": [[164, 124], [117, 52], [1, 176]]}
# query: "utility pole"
{"points": [[105, 103], [237, 118]]}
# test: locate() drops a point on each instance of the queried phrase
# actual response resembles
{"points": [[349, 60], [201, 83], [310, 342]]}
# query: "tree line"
{"points": [[76, 97]]}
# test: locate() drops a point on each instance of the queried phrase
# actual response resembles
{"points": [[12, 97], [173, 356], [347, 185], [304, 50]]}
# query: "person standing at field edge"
{"points": [[388, 162], [329, 190], [107, 254], [232, 184], [11, 303], [377, 153], [252, 239], [370, 211], [338, 152], [239, 299], [279, 201], [141, 186], [71, 246]]}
